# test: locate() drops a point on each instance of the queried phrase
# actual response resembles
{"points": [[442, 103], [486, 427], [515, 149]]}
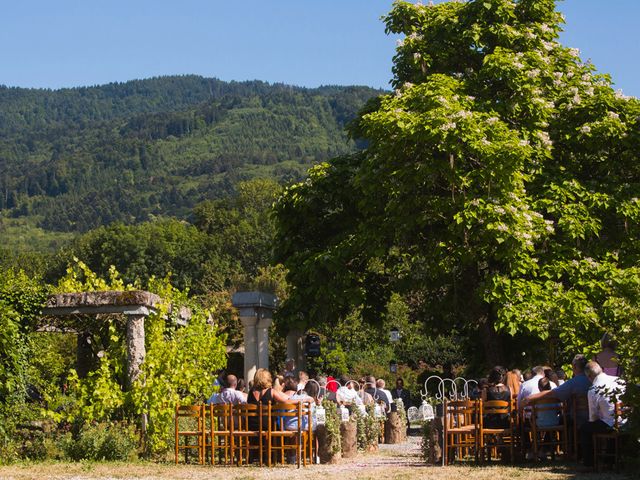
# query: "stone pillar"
{"points": [[136, 350], [250, 347], [254, 309], [295, 349], [262, 337]]}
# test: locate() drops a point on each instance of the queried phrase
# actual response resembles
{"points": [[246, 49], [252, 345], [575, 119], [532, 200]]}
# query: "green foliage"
{"points": [[368, 428], [181, 363], [102, 441], [498, 191], [332, 426], [180, 366], [21, 300]]}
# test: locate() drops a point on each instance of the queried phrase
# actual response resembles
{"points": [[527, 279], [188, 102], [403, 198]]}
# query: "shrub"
{"points": [[102, 441]]}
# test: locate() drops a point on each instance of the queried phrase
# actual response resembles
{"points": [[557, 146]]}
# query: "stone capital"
{"points": [[250, 321]]}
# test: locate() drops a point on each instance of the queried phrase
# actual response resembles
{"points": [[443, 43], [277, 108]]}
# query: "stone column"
{"points": [[295, 349], [136, 350], [250, 347], [254, 310], [262, 331]]}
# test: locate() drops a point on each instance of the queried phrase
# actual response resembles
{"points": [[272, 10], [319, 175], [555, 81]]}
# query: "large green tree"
{"points": [[499, 189]]}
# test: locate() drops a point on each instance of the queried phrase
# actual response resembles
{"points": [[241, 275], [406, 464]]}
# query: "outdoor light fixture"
{"points": [[393, 366], [394, 334]]}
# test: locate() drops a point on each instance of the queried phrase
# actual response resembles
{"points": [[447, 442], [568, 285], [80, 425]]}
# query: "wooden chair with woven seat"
{"points": [[607, 445], [460, 429], [491, 438], [190, 423], [554, 436], [280, 439], [219, 438], [248, 432]]}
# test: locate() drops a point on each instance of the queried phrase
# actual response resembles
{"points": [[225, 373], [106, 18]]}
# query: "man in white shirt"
{"points": [[229, 394], [602, 395], [526, 389], [530, 386], [380, 383]]}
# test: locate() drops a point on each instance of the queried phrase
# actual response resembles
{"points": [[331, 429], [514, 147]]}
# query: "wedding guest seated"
{"points": [[602, 395], [381, 384], [497, 390], [547, 418], [378, 395], [242, 386], [577, 386], [309, 394], [229, 393], [303, 378], [290, 386], [324, 391]]}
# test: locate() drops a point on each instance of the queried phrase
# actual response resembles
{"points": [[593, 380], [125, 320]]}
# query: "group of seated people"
{"points": [[588, 382], [294, 387]]}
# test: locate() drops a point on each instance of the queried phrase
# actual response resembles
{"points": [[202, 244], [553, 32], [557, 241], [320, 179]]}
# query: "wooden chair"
{"points": [[281, 440], [490, 439], [461, 430], [579, 409], [189, 423], [219, 438], [553, 436], [607, 445], [248, 431]]}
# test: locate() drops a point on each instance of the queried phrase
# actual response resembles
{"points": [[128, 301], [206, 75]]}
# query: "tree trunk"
{"points": [[394, 431], [349, 437]]}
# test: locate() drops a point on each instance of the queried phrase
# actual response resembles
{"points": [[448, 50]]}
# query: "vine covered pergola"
{"points": [[72, 312]]}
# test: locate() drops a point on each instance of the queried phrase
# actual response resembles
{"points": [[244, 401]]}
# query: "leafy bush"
{"points": [[332, 425], [102, 441], [368, 426]]}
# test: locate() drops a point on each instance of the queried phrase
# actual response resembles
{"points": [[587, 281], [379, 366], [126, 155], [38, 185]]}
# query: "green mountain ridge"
{"points": [[74, 159]]}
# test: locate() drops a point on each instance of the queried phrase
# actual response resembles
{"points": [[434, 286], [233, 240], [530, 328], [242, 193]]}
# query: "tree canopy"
{"points": [[499, 190]]}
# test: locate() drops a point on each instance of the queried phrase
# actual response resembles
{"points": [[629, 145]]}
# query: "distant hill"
{"points": [[74, 159]]}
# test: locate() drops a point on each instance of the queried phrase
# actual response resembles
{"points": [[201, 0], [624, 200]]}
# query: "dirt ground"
{"points": [[390, 461]]}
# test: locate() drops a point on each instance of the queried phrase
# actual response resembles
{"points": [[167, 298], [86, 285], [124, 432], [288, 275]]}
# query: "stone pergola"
{"points": [[135, 305]]}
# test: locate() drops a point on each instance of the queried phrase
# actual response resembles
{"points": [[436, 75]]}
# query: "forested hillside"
{"points": [[75, 159]]}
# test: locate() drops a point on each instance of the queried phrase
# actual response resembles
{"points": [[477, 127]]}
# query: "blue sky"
{"points": [[303, 42]]}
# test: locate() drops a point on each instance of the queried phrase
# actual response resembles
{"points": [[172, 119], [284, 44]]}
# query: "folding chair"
{"points": [[553, 436], [219, 438], [460, 428], [491, 438], [189, 423]]}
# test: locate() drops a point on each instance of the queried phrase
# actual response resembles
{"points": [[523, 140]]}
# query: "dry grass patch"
{"points": [[363, 467]]}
